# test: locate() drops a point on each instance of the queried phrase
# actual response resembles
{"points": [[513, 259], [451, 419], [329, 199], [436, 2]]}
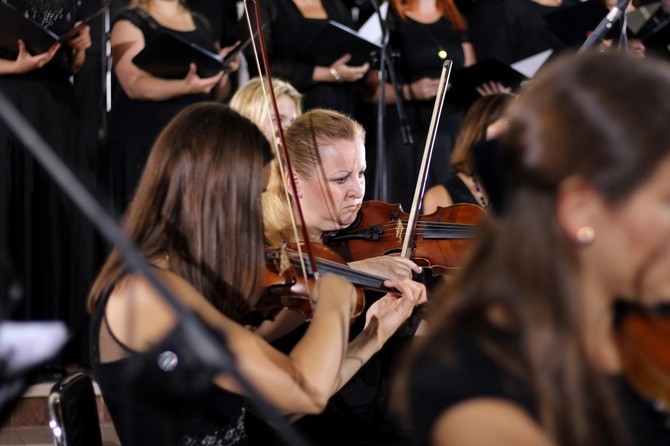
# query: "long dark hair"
{"points": [[199, 202], [602, 117]]}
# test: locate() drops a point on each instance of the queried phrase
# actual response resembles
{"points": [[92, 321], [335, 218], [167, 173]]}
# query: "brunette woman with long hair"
{"points": [[196, 217], [521, 348]]}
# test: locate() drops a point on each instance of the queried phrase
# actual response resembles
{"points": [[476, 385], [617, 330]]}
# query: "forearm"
{"points": [[148, 88], [8, 67], [223, 88], [359, 351], [321, 351], [78, 59], [389, 93]]}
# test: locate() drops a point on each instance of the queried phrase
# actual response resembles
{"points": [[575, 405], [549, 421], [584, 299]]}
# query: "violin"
{"points": [[643, 335], [286, 286], [440, 241]]}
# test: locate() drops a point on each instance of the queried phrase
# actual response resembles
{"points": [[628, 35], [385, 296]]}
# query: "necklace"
{"points": [[441, 52], [479, 194]]}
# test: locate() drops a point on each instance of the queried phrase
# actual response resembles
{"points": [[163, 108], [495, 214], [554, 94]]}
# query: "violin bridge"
{"points": [[399, 230]]}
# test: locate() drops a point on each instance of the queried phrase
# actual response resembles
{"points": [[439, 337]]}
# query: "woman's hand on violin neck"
{"points": [[335, 288], [391, 267], [387, 314]]}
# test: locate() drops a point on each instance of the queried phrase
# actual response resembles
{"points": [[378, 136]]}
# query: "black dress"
{"points": [[459, 192], [150, 406], [418, 45], [438, 382], [134, 124], [509, 30], [45, 237], [285, 34], [359, 413]]}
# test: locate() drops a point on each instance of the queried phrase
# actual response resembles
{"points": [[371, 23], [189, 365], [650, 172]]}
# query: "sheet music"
{"points": [[529, 66], [371, 30]]}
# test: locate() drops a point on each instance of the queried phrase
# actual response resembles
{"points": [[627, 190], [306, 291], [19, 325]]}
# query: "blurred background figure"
{"points": [[143, 103], [523, 344], [483, 121]]}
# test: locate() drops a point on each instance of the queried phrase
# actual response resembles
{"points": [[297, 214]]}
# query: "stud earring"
{"points": [[585, 235]]}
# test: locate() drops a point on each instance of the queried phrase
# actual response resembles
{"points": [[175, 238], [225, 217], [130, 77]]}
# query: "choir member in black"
{"points": [[425, 33], [143, 103], [289, 26], [45, 236]]}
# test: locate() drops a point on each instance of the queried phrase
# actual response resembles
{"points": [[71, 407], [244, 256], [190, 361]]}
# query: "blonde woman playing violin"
{"points": [[196, 217]]}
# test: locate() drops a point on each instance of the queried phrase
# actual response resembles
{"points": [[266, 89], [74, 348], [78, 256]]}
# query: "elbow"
{"points": [[318, 404]]}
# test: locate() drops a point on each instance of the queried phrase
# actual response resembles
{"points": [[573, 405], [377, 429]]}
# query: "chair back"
{"points": [[73, 412]]}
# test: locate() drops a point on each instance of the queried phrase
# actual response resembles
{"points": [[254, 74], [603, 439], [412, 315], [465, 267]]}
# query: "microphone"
{"points": [[605, 25]]}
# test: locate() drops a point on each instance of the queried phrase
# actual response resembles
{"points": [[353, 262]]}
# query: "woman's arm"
{"points": [[488, 421], [382, 320], [127, 41], [26, 62], [434, 197], [79, 44]]}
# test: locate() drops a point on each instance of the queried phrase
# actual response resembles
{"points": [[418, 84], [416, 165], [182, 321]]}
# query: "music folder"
{"points": [[573, 24], [168, 56], [38, 40], [464, 82], [330, 40]]}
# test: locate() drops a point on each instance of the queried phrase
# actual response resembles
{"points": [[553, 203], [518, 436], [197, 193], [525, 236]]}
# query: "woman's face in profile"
{"points": [[633, 237]]}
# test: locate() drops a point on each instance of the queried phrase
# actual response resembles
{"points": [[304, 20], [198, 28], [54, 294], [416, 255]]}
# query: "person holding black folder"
{"points": [[144, 103], [45, 236], [295, 51], [425, 33]]}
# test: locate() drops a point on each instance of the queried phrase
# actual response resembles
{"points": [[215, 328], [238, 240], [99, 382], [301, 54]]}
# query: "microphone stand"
{"points": [[387, 64], [208, 349], [605, 25]]}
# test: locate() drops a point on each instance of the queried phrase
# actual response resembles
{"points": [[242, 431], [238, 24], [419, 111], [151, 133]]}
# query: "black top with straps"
{"points": [[148, 405]]}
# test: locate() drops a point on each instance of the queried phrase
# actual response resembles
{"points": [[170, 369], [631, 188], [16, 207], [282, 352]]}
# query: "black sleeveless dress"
{"points": [[151, 406], [134, 124]]}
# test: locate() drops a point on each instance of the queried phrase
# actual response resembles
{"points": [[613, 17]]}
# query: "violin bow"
{"points": [[410, 230], [285, 158]]}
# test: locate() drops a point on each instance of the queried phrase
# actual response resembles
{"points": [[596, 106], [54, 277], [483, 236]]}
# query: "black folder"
{"points": [[168, 56], [464, 82], [574, 23], [328, 40], [14, 26]]}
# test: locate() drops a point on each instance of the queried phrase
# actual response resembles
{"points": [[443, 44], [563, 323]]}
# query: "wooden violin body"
{"points": [[643, 339], [287, 287], [440, 243]]}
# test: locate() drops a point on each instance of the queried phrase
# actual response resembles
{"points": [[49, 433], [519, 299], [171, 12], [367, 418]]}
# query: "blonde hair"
{"points": [[249, 100], [312, 129]]}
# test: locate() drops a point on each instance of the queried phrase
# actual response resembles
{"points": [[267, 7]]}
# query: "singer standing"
{"points": [[48, 241], [425, 33]]}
